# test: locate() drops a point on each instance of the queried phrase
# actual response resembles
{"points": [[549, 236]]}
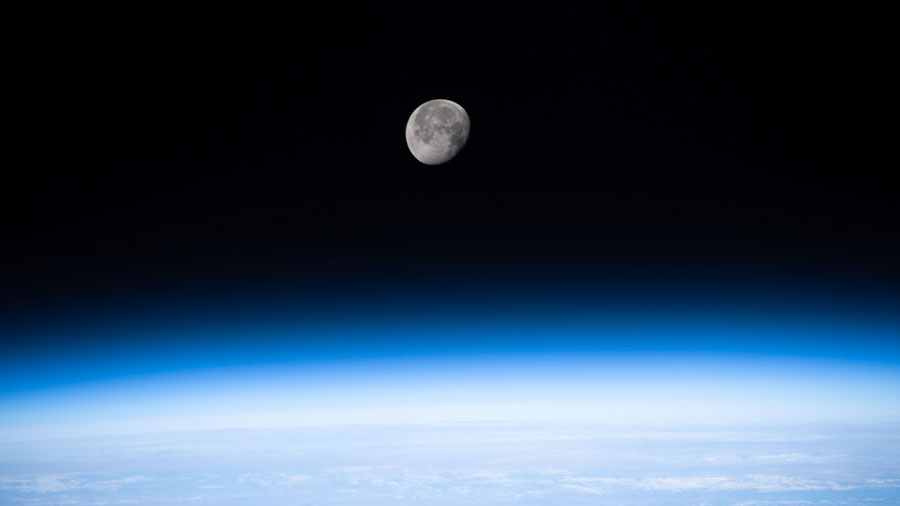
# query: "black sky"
{"points": [[174, 151]]}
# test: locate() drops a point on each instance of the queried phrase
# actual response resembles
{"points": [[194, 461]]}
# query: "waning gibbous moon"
{"points": [[436, 131]]}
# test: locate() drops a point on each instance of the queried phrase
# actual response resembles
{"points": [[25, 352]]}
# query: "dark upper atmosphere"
{"points": [[185, 154]]}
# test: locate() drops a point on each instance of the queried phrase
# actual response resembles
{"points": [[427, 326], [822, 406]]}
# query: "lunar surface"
{"points": [[436, 131]]}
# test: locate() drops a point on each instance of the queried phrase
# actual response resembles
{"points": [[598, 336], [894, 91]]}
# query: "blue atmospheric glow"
{"points": [[638, 369], [710, 388], [90, 352], [624, 406]]}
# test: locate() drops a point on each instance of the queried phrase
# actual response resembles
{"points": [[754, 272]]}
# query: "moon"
{"points": [[436, 131]]}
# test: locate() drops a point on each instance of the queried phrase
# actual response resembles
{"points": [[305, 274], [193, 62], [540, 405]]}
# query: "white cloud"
{"points": [[494, 482], [495, 478], [584, 489], [754, 482], [275, 480], [111, 485], [774, 503], [779, 458], [883, 483], [606, 481], [63, 483]]}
